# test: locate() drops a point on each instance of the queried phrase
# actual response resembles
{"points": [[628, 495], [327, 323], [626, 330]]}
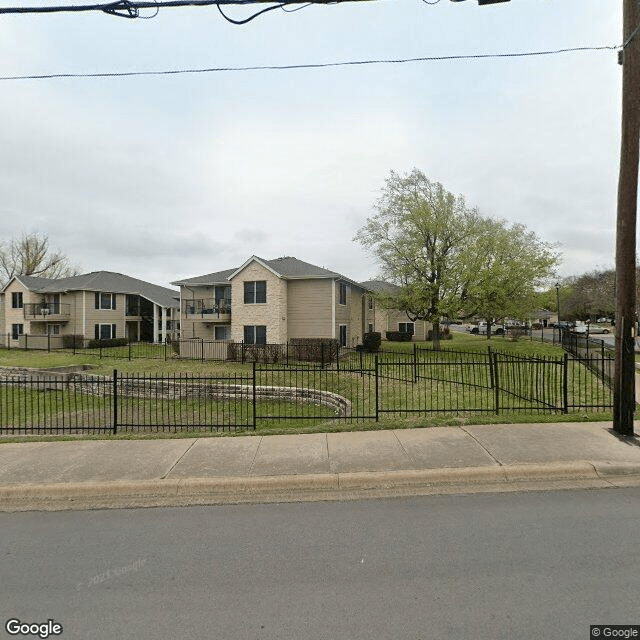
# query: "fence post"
{"points": [[322, 354], [565, 384], [8, 341], [73, 343], [165, 349], [129, 345], [377, 396], [100, 346], [491, 376], [415, 362], [26, 339], [202, 350], [115, 401], [338, 357], [361, 371], [48, 343], [494, 357], [253, 396], [242, 343]]}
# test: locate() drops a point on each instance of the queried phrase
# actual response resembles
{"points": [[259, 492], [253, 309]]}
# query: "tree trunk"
{"points": [[436, 334]]}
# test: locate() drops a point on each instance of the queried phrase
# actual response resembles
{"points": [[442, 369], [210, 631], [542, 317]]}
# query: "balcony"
{"points": [[207, 310], [47, 311]]}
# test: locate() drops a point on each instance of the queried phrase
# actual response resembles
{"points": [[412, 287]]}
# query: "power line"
{"points": [[130, 8], [320, 65]]}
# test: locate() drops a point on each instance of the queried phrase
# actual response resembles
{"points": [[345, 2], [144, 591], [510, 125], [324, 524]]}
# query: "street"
{"points": [[494, 566]]}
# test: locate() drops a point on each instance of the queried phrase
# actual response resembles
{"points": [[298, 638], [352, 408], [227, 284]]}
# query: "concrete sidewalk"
{"points": [[126, 473]]}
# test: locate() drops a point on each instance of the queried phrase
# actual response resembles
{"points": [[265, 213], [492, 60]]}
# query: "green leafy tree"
{"points": [[446, 258], [421, 235], [510, 264]]}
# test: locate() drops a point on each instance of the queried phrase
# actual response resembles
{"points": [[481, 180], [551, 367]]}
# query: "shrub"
{"points": [[71, 340], [264, 353], [314, 349], [112, 342], [399, 336], [372, 341]]}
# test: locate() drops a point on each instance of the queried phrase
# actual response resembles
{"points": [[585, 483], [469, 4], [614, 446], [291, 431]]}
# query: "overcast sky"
{"points": [[167, 177]]}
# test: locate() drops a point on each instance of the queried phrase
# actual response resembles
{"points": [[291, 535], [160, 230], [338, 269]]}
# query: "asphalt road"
{"points": [[494, 566]]}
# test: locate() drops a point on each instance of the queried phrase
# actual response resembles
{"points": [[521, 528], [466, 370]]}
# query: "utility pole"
{"points": [[624, 384]]}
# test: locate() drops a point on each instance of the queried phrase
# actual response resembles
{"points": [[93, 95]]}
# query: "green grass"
{"points": [[437, 389]]}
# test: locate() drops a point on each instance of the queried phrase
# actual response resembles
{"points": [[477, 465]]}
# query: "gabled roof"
{"points": [[288, 268], [219, 277], [380, 286], [107, 281]]}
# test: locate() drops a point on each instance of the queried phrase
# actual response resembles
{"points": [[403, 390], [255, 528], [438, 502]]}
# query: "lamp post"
{"points": [[558, 296]]}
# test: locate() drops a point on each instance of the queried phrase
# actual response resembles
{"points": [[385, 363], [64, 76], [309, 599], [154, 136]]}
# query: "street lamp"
{"points": [[558, 295]]}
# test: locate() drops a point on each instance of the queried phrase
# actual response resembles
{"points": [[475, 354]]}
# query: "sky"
{"points": [[173, 176]]}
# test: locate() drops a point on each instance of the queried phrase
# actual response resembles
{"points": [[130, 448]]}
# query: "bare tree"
{"points": [[30, 256]]}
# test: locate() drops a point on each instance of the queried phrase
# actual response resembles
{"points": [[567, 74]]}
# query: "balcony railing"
{"points": [[47, 311], [207, 309]]}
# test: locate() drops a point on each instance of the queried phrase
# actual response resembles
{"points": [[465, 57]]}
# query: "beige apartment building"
{"points": [[272, 301], [100, 304], [388, 319]]}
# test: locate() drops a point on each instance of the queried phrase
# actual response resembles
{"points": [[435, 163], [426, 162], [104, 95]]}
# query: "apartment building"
{"points": [[271, 301], [101, 304]]}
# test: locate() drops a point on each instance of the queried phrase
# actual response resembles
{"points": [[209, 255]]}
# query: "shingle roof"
{"points": [[104, 281], [219, 277], [287, 267], [380, 286]]}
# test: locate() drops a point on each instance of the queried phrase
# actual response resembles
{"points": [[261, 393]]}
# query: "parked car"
{"points": [[564, 324], [496, 329], [593, 328]]}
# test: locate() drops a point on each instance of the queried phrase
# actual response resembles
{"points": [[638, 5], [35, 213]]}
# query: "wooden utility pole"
{"points": [[624, 383]]}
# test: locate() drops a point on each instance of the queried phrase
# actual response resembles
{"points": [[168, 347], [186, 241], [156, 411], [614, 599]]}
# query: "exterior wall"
{"points": [[357, 309], [309, 310], [95, 316], [16, 316], [389, 319], [343, 314], [272, 314]]}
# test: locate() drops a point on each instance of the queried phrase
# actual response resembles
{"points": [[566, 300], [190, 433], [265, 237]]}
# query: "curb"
{"points": [[315, 487]]}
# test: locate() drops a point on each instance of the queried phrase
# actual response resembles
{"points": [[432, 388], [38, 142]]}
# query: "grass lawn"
{"points": [[437, 389]]}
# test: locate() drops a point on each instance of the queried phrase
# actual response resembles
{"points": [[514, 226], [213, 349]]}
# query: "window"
{"points": [[343, 335], [370, 302], [104, 331], [343, 293], [105, 300], [16, 330], [255, 291], [406, 327], [221, 332], [54, 329], [16, 300], [370, 328], [255, 334]]}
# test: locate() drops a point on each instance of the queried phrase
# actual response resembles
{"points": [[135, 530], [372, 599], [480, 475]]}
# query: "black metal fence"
{"points": [[356, 387]]}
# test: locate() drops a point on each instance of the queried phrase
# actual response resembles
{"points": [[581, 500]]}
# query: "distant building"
{"points": [[389, 319], [101, 304]]}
